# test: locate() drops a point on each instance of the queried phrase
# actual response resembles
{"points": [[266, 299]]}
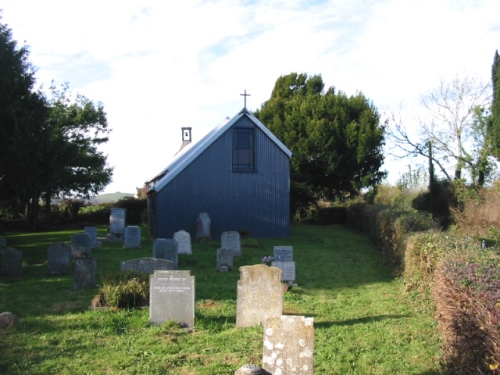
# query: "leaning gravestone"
{"points": [[283, 253], [81, 245], [259, 295], [203, 226], [224, 259], [183, 239], [165, 248], [92, 232], [288, 345], [288, 269], [117, 220], [11, 262], [171, 297], [59, 258], [85, 269], [146, 265], [132, 237], [231, 240]]}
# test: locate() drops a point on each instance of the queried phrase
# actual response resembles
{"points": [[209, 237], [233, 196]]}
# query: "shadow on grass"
{"points": [[365, 320]]}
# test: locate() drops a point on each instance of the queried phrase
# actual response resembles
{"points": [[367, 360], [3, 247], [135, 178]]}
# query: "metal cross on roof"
{"points": [[245, 96]]}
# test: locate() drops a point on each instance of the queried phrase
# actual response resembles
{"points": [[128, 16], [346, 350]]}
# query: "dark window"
{"points": [[243, 150]]}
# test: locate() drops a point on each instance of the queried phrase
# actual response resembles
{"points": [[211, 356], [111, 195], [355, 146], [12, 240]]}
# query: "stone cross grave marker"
{"points": [[259, 295], [231, 240], [171, 297], [85, 269], [117, 220], [81, 245], [166, 248], [283, 253], [92, 232], [288, 345], [224, 258], [59, 258], [146, 265], [183, 239], [132, 237], [288, 269], [11, 262], [203, 226]]}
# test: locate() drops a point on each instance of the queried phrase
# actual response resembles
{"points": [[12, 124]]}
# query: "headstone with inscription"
{"points": [[117, 221], [283, 253], [259, 295], [166, 248], [203, 226], [59, 258], [132, 237], [11, 262], [183, 239], [171, 297], [231, 240], [224, 259], [85, 273], [288, 269], [81, 245], [92, 232], [288, 345], [146, 265]]}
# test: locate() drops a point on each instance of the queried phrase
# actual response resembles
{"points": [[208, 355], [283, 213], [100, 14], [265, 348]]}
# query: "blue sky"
{"points": [[160, 65]]}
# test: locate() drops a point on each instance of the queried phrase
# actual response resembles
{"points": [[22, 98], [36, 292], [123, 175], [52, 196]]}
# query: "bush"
{"points": [[328, 215], [123, 290], [136, 209]]}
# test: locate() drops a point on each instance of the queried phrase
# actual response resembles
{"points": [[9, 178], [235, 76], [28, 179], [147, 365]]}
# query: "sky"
{"points": [[159, 65]]}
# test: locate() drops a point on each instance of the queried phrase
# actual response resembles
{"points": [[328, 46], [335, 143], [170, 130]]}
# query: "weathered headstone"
{"points": [[224, 259], [146, 265], [11, 262], [283, 253], [203, 226], [259, 295], [171, 297], [288, 269], [132, 237], [117, 220], [81, 245], [183, 239], [59, 258], [231, 240], [92, 232], [166, 248], [288, 345], [85, 269]]}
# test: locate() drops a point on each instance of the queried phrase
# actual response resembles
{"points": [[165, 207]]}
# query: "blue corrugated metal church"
{"points": [[239, 174]]}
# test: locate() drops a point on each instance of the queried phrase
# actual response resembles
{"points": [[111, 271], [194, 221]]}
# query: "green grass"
{"points": [[364, 323]]}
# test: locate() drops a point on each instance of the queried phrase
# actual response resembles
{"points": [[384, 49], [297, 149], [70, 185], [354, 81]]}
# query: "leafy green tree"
{"points": [[495, 107], [336, 140]]}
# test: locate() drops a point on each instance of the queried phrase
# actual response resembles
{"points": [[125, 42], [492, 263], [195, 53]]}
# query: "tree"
{"points": [[452, 130], [336, 140], [495, 106]]}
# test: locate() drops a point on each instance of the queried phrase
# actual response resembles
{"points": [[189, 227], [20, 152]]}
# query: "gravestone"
{"points": [[224, 259], [3, 242], [11, 262], [259, 295], [85, 269], [288, 345], [283, 253], [81, 245], [92, 232], [117, 220], [132, 237], [171, 297], [146, 265], [231, 240], [166, 248], [288, 269], [59, 258], [183, 239], [203, 226]]}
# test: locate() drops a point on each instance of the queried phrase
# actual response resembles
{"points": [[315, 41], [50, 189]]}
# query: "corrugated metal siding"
{"points": [[258, 202]]}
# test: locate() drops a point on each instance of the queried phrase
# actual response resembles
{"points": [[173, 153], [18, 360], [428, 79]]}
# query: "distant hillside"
{"points": [[110, 197]]}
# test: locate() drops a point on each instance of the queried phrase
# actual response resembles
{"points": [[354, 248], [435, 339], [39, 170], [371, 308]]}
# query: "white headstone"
{"points": [[283, 253], [203, 226], [183, 239], [117, 221], [288, 269]]}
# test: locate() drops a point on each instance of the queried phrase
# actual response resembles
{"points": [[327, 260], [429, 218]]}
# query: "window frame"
{"points": [[241, 147]]}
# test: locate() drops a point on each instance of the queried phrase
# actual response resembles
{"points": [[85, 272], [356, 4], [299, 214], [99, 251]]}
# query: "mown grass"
{"points": [[364, 323]]}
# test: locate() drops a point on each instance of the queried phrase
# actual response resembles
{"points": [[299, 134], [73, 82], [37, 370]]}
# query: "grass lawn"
{"points": [[364, 323]]}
